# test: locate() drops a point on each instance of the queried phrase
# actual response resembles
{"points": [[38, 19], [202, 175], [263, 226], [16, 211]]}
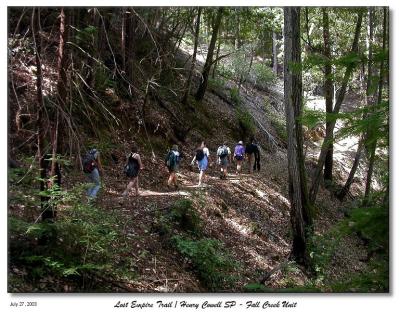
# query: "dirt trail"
{"points": [[248, 213]]}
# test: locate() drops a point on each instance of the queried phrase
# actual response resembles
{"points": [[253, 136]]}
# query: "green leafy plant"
{"points": [[262, 75], [180, 216], [245, 121], [208, 258], [277, 120], [235, 95], [81, 246], [216, 84]]}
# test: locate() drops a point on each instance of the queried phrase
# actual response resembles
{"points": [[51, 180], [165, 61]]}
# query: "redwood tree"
{"points": [[371, 148], [328, 94], [300, 214]]}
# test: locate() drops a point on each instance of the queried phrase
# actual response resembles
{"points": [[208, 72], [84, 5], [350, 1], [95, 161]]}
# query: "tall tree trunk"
{"points": [[193, 64], [245, 75], [123, 39], [237, 30], [274, 53], [216, 57], [299, 214], [207, 66], [372, 149], [131, 23], [331, 126], [61, 85], [40, 126], [365, 82], [328, 95], [309, 42], [346, 188]]}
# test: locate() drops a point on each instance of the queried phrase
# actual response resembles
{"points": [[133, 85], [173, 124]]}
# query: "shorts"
{"points": [[223, 162], [133, 174], [172, 169], [202, 164], [239, 157]]}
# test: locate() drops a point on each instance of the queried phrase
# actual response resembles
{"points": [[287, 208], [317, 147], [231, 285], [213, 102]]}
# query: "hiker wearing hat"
{"points": [[239, 156], [172, 162]]}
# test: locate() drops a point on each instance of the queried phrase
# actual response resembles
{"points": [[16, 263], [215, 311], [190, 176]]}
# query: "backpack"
{"points": [[89, 161], [199, 155], [132, 166], [222, 151], [170, 160]]}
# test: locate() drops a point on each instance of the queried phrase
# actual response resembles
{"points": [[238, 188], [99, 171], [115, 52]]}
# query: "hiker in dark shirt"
{"points": [[132, 169], [253, 156], [172, 162], [92, 167]]}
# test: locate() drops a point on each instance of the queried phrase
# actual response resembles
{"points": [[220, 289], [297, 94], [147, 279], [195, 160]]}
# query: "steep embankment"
{"points": [[248, 214]]}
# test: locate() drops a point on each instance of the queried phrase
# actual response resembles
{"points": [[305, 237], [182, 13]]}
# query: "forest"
{"points": [[198, 149]]}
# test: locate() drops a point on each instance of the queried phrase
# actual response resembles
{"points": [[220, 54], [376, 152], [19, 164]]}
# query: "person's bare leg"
{"points": [[239, 167], [201, 177], [128, 188], [136, 183], [170, 179], [175, 181], [251, 163]]}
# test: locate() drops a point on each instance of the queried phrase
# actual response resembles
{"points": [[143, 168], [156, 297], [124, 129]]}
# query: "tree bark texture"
{"points": [[40, 125], [372, 149], [193, 64], [299, 213], [209, 60], [274, 53], [328, 94], [331, 126]]}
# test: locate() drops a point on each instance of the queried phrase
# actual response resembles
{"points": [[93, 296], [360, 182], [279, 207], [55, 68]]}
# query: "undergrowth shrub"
{"points": [[212, 264], [235, 95], [79, 247], [246, 124], [277, 121], [312, 118], [371, 224], [262, 74], [216, 84], [181, 216]]}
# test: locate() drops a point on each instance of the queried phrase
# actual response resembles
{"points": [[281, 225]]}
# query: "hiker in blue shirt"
{"points": [[202, 158]]}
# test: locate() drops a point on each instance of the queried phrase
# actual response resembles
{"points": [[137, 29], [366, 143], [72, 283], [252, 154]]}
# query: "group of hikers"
{"points": [[249, 153]]}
